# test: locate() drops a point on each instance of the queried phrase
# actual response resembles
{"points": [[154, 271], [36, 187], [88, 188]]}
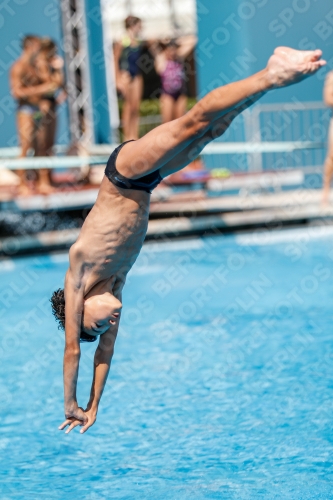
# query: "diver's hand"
{"points": [[86, 420], [74, 416], [75, 411], [91, 415]]}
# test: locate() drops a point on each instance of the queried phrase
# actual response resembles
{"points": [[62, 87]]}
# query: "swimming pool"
{"points": [[221, 385]]}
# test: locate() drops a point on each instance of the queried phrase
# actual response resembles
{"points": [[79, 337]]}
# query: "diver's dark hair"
{"points": [[131, 21], [58, 309], [27, 39]]}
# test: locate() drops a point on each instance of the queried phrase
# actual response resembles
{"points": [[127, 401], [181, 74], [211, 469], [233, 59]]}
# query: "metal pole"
{"points": [[68, 49], [77, 70], [253, 134]]}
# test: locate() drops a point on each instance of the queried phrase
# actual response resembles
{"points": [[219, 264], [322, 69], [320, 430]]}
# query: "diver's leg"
{"points": [[167, 141], [192, 151]]}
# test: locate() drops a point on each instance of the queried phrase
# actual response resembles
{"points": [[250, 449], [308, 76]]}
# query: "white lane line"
{"points": [[175, 246], [283, 236], [7, 266]]}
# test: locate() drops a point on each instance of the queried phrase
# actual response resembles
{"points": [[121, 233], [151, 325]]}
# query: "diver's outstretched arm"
{"points": [[102, 363], [74, 300]]}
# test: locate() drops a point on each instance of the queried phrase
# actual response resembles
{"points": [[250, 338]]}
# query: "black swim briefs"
{"points": [[146, 183]]}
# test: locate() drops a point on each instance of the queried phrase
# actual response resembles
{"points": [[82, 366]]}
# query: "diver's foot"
{"points": [[287, 66]]}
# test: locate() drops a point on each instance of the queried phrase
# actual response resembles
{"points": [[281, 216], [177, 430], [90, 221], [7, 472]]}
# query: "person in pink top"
{"points": [[169, 64]]}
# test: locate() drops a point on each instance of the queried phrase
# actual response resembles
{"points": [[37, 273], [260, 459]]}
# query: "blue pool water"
{"points": [[221, 385]]}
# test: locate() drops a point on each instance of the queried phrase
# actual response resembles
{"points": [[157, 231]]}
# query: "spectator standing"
{"points": [[49, 67], [27, 88], [169, 64], [129, 79]]}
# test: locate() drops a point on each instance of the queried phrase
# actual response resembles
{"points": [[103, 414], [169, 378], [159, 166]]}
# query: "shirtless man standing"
{"points": [[113, 233], [27, 87]]}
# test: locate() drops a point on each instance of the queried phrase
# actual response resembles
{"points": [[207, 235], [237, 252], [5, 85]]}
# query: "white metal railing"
{"points": [[274, 128], [265, 137], [102, 154]]}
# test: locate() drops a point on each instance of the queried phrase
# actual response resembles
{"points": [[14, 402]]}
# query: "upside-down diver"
{"points": [[112, 235]]}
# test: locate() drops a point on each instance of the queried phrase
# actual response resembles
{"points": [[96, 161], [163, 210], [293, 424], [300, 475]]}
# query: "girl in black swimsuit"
{"points": [[128, 76]]}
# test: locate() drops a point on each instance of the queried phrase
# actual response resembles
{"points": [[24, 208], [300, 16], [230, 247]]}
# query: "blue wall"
{"points": [[236, 39], [17, 18]]}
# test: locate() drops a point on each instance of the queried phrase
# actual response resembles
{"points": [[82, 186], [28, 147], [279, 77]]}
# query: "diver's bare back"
{"points": [[112, 235]]}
